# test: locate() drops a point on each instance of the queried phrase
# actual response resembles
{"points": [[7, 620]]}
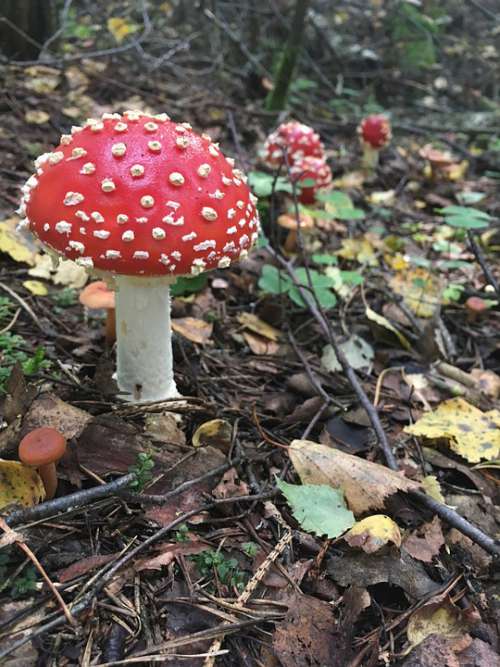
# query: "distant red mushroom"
{"points": [[475, 307], [374, 134], [98, 295], [311, 175], [142, 199], [42, 449], [293, 139]]}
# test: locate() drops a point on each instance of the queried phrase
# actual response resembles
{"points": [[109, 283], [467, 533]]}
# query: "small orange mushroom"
{"points": [[476, 307], [98, 295], [42, 449], [440, 162], [306, 223]]}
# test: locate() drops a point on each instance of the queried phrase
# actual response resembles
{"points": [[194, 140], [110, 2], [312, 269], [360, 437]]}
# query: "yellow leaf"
{"points": [[19, 484], [255, 324], [385, 198], [473, 434], [70, 274], [13, 243], [396, 261], [34, 117], [359, 249], [457, 171], [432, 488], [43, 267], [350, 181], [372, 533], [216, 432], [421, 291], [197, 331], [436, 618], [36, 287], [365, 484], [41, 79], [120, 28], [383, 322]]}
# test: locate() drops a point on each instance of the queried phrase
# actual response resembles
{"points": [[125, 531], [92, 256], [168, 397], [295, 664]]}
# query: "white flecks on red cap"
{"points": [[294, 141], [92, 209]]}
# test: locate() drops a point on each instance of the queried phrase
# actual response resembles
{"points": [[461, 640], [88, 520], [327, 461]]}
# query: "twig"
{"points": [[479, 255], [24, 305], [16, 538]]}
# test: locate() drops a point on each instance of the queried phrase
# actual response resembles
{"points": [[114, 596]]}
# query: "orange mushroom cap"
{"points": [[476, 305], [97, 295], [42, 446]]}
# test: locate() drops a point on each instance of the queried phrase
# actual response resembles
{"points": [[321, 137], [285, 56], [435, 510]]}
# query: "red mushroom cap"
{"points": [[136, 194], [294, 138], [311, 168], [375, 130], [42, 446], [476, 305]]}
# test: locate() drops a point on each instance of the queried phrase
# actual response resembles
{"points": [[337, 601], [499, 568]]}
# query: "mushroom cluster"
{"points": [[312, 174], [141, 199], [374, 134]]}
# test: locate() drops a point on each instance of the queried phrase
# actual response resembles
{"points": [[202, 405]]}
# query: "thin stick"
{"points": [[479, 255]]}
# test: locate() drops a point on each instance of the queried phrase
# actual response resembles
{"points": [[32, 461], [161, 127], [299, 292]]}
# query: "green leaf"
{"points": [[184, 285], [318, 508], [464, 211], [325, 259], [274, 281], [471, 197], [463, 222], [352, 278], [262, 183]]}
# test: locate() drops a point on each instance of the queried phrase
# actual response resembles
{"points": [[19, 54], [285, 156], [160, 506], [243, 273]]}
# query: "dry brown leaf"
{"points": [[258, 326], [260, 345], [195, 330], [365, 484], [168, 554], [83, 566], [216, 432], [437, 618], [425, 542]]}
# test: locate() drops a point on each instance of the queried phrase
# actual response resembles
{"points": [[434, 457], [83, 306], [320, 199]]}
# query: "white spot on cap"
{"points": [[177, 255], [230, 161], [242, 222], [147, 201], [213, 151], [121, 218], [96, 216], [86, 262], [182, 142], [232, 230], [189, 237], [187, 126], [217, 195], [113, 254], [128, 235], [121, 127], [133, 115], [107, 185], [73, 198], [142, 220], [198, 266], [164, 259], [119, 149], [229, 246], [88, 168], [56, 157], [83, 231], [82, 215], [63, 227], [226, 180], [244, 240], [46, 227], [173, 204], [101, 234], [204, 170], [140, 254], [204, 245], [162, 117], [158, 233], [240, 204], [224, 262], [77, 153], [243, 254], [176, 179], [231, 213], [150, 126], [209, 213], [136, 170], [76, 245], [66, 139], [97, 126], [154, 146]]}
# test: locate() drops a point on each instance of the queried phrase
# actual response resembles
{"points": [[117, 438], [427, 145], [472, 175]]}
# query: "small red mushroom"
{"points": [[311, 175], [475, 307], [294, 139], [42, 449], [142, 199], [98, 295], [374, 133]]}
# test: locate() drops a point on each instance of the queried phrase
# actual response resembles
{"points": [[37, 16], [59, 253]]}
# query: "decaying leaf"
{"points": [[36, 287], [195, 330], [488, 382], [120, 28], [437, 618], [14, 244], [70, 274], [19, 484], [358, 352], [374, 532], [36, 117], [365, 484], [361, 250], [258, 326], [260, 344], [432, 488], [420, 289], [216, 432], [385, 324], [41, 79], [469, 432], [425, 542]]}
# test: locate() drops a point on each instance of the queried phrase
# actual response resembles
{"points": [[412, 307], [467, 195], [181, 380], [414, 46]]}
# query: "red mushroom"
{"points": [[294, 139], [142, 199], [374, 133], [311, 175], [98, 295], [475, 307], [42, 449]]}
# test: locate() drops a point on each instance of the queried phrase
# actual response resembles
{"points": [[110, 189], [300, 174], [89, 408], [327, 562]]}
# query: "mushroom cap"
{"points": [[42, 446], [290, 222], [475, 304], [294, 138], [375, 130], [435, 156], [97, 295], [137, 194], [307, 169]]}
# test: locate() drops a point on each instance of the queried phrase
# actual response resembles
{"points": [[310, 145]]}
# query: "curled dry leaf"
{"points": [[470, 432], [425, 542], [366, 485], [195, 330], [437, 618], [374, 532], [216, 432], [258, 326], [19, 484]]}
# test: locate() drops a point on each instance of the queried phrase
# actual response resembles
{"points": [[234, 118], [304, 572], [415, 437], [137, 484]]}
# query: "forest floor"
{"points": [[165, 569]]}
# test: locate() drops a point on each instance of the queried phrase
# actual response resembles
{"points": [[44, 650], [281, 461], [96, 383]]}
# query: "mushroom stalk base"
{"points": [[369, 161], [144, 340]]}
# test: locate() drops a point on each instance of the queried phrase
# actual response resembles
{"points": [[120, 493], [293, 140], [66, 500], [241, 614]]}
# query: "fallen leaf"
{"points": [[195, 330], [358, 352], [365, 484], [469, 432], [437, 618], [230, 485], [350, 181], [216, 432], [41, 79], [14, 244], [19, 484], [385, 324], [43, 267], [169, 553], [426, 541], [36, 117], [120, 28], [258, 326], [374, 532], [84, 565], [164, 428], [69, 274], [49, 410], [318, 508], [76, 78], [384, 198], [36, 287], [260, 345], [359, 249], [488, 382], [420, 289], [432, 488]]}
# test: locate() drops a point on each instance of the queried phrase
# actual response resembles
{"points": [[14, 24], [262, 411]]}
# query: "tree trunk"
{"points": [[24, 27], [277, 98]]}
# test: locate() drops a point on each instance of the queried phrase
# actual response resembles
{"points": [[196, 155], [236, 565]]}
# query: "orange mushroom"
{"points": [[475, 307], [98, 295], [440, 162], [289, 222], [42, 449]]}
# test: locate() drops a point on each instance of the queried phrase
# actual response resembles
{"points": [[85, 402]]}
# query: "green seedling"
{"points": [[142, 471]]}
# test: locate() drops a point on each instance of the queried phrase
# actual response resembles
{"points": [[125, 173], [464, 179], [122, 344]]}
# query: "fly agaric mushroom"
{"points": [[311, 175], [141, 199], [289, 222], [42, 449], [293, 139], [374, 134], [98, 295]]}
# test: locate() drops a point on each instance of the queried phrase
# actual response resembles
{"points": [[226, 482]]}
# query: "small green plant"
{"points": [[65, 298], [250, 549], [184, 286], [12, 352], [226, 569], [274, 281], [142, 471], [263, 184], [25, 584], [465, 217], [181, 534], [339, 206], [6, 308]]}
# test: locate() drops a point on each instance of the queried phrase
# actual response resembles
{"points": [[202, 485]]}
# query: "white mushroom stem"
{"points": [[144, 339], [369, 161]]}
